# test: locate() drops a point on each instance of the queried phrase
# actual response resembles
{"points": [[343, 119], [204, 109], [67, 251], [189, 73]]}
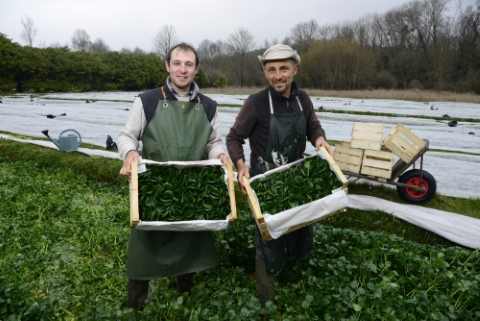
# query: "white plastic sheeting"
{"points": [[279, 223], [457, 174], [86, 151], [457, 228], [183, 226]]}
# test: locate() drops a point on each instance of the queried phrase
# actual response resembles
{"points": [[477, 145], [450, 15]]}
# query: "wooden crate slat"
{"points": [[371, 171], [134, 213], [231, 193], [367, 136], [417, 141], [377, 163], [404, 143], [348, 151], [348, 158]]}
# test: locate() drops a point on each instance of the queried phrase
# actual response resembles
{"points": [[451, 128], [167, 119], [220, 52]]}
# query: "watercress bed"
{"points": [[192, 193], [64, 244], [311, 180]]}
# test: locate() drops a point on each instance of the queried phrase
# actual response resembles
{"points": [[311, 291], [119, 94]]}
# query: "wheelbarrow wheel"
{"points": [[412, 177]]}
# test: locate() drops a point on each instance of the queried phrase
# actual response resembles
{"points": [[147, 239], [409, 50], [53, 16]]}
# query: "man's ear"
{"points": [[167, 66], [265, 72], [295, 69]]}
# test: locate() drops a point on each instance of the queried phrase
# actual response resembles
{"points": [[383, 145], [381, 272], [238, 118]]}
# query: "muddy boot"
{"points": [[137, 293], [185, 283], [265, 284], [265, 281]]}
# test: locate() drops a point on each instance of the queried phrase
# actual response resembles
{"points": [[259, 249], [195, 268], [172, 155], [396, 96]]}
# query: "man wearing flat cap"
{"points": [[277, 121]]}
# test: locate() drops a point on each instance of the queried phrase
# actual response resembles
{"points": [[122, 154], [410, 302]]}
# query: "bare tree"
{"points": [[81, 40], [139, 51], [210, 52], [304, 34], [205, 50], [164, 40], [126, 50], [136, 51], [239, 44], [99, 46], [267, 44], [29, 31]]}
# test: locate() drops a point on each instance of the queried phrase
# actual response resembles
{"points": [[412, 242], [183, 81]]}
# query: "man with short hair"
{"points": [[175, 123], [277, 121]]}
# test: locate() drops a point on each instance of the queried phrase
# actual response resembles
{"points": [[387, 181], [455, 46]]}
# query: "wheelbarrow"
{"points": [[414, 186]]}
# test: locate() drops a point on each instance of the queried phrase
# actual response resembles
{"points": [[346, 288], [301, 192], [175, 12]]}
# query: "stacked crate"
{"points": [[364, 154]]}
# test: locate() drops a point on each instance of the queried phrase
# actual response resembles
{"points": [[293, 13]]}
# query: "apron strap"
{"points": [[165, 104], [271, 104], [267, 164]]}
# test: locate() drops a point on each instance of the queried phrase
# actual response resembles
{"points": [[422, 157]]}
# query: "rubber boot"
{"points": [[265, 282], [137, 293], [185, 283]]}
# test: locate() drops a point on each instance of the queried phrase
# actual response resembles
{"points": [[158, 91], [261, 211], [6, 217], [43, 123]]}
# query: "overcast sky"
{"points": [[134, 23]]}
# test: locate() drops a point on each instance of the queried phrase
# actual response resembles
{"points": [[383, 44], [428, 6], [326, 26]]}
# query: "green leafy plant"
{"points": [[300, 184], [193, 193], [64, 243]]}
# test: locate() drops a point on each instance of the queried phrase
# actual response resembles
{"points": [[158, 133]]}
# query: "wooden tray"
{"points": [[257, 212], [404, 143], [378, 163], [134, 210], [367, 136]]}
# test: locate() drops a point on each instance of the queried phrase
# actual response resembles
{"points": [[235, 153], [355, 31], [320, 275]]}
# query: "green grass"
{"points": [[98, 168], [64, 239]]}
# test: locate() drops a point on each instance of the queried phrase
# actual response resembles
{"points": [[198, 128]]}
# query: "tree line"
{"points": [[422, 44]]}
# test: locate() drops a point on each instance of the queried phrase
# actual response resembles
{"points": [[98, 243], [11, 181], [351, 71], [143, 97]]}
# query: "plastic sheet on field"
{"points": [[457, 228], [86, 151], [184, 226]]}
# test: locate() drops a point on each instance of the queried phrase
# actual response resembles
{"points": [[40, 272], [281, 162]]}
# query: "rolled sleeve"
{"points": [[129, 137], [214, 143]]}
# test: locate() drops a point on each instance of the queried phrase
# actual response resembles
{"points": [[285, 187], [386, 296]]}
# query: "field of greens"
{"points": [[63, 250]]}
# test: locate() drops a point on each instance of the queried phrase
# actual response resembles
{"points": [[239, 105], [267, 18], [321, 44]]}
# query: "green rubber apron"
{"points": [[178, 131], [286, 144]]}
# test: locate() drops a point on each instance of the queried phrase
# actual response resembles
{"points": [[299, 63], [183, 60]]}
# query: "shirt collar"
{"points": [[192, 93]]}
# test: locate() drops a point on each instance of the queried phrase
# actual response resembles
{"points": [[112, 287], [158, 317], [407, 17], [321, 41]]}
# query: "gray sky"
{"points": [[134, 23]]}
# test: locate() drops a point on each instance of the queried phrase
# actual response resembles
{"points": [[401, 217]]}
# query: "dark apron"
{"points": [[178, 131], [286, 144]]}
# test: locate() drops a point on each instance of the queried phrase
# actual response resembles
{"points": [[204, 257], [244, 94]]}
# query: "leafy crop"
{"points": [[193, 193], [299, 184], [63, 252]]}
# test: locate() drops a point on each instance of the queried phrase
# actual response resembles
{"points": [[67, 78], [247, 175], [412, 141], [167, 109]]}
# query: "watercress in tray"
{"points": [[299, 184], [192, 193]]}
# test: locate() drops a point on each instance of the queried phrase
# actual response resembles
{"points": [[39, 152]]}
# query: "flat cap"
{"points": [[279, 52]]}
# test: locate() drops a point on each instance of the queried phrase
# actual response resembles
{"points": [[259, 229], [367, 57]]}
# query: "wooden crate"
{"points": [[367, 136], [347, 158], [134, 208], [378, 163], [404, 143], [257, 212]]}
